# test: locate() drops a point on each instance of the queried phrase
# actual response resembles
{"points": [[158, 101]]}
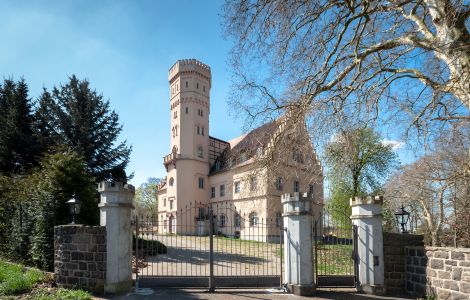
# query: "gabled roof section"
{"points": [[244, 147]]}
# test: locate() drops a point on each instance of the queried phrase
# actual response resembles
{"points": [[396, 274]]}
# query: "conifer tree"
{"points": [[46, 123], [86, 123], [18, 151]]}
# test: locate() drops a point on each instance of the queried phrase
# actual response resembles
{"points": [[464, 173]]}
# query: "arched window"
{"points": [[253, 219], [222, 220], [172, 181], [200, 152], [237, 220]]}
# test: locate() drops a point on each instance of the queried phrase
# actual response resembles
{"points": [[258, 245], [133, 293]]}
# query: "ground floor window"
{"points": [[237, 220], [253, 219], [222, 220]]}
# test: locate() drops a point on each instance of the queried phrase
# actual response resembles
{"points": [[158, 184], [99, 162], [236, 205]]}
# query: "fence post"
{"points": [[115, 213], [298, 244], [367, 217], [211, 251]]}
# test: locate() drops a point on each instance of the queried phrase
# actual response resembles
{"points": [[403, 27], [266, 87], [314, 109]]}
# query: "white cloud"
{"points": [[396, 145]]}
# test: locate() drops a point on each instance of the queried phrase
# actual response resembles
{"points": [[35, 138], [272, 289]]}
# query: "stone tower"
{"points": [[188, 163]]}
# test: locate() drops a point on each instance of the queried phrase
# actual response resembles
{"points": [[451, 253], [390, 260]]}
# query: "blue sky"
{"points": [[124, 48]]}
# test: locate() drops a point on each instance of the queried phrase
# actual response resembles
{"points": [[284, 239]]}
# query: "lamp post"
{"points": [[402, 217], [74, 206]]}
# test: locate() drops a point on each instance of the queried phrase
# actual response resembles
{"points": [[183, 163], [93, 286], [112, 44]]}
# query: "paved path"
{"points": [[251, 294]]}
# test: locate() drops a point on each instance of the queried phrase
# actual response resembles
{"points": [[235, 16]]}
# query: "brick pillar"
{"points": [[298, 244], [367, 216], [115, 213]]}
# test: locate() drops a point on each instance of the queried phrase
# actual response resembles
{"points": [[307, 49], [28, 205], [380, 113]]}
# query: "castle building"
{"points": [[206, 171]]}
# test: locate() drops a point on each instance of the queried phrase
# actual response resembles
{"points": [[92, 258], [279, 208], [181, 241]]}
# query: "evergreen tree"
{"points": [[46, 122], [86, 124], [18, 150]]}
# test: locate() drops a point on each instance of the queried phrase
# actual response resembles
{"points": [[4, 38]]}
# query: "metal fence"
{"points": [[334, 245], [211, 246]]}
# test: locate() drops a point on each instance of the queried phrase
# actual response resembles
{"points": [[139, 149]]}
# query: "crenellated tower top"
{"points": [[189, 66]]}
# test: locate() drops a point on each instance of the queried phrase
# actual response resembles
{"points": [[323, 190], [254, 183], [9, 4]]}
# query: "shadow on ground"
{"points": [[245, 294]]}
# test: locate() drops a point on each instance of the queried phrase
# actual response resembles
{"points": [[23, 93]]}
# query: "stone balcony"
{"points": [[170, 159]]}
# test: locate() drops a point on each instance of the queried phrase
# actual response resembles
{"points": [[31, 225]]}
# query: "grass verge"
{"points": [[17, 281]]}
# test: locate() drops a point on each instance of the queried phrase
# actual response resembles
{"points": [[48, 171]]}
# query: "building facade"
{"points": [[203, 171]]}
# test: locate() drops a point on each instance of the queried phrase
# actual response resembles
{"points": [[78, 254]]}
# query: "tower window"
{"points": [[186, 84], [172, 181], [310, 189], [203, 88], [201, 182], [200, 152], [176, 130], [198, 130], [177, 87], [175, 114], [296, 186], [197, 85], [187, 110], [202, 130], [279, 183]]}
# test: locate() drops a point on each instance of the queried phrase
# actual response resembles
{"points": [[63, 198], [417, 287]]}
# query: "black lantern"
{"points": [[74, 206], [402, 217]]}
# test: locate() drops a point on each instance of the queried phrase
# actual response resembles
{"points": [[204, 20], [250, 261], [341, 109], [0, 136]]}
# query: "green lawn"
{"points": [[28, 283], [334, 259]]}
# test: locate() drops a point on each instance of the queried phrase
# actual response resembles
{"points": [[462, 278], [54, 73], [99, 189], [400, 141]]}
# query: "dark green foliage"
{"points": [[63, 147], [46, 123], [18, 151], [37, 203], [87, 125]]}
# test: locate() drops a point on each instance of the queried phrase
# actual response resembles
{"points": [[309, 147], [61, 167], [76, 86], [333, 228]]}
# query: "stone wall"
{"points": [[80, 257], [394, 259], [437, 271]]}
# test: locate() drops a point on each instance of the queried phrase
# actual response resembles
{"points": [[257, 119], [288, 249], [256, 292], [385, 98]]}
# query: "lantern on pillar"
{"points": [[402, 217], [74, 207]]}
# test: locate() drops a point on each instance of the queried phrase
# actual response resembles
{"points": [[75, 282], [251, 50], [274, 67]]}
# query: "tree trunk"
{"points": [[452, 46]]}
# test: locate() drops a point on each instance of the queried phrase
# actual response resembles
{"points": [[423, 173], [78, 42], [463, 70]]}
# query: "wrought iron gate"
{"points": [[210, 246], [335, 252]]}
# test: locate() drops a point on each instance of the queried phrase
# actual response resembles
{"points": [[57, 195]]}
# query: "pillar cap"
{"points": [[366, 200], [106, 186]]}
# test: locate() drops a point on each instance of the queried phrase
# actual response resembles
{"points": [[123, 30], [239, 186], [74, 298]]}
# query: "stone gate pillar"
{"points": [[115, 213], [367, 217], [298, 243]]}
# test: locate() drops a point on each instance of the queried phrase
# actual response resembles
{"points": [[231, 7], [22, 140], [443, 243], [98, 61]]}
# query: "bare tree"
{"points": [[343, 58], [437, 187]]}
